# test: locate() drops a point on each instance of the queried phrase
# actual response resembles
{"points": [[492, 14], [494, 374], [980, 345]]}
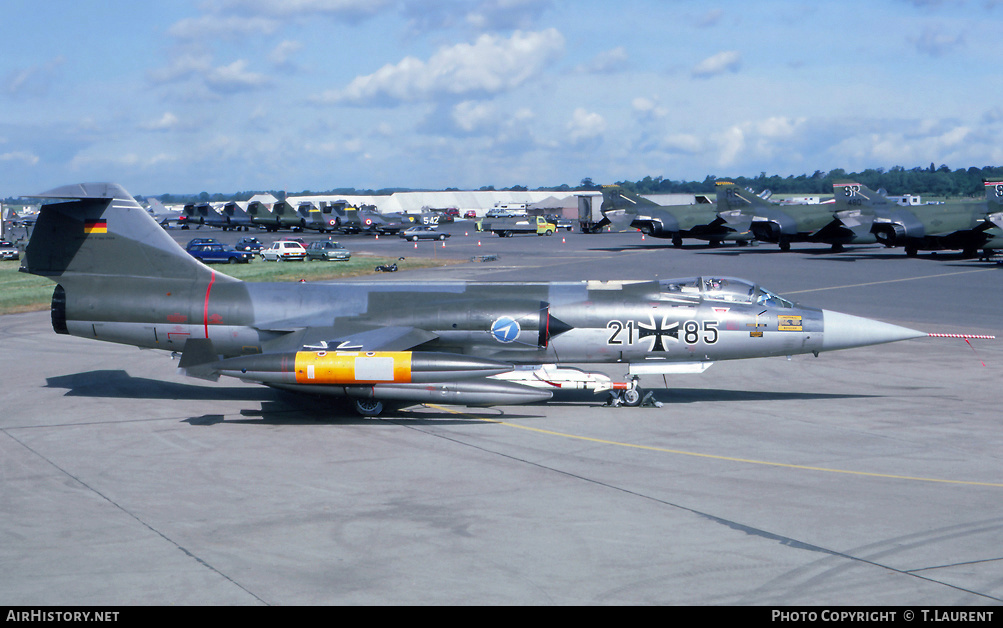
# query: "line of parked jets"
{"points": [[333, 216], [856, 215]]}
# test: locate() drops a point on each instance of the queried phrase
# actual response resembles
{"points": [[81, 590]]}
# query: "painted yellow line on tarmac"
{"points": [[878, 283], [694, 454]]}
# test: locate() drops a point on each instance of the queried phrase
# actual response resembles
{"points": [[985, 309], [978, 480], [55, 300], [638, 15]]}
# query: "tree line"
{"points": [[932, 181]]}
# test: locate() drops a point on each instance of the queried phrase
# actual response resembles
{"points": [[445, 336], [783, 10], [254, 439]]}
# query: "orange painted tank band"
{"points": [[363, 367]]}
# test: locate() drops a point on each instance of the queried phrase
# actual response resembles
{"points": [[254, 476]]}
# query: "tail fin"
{"points": [[994, 194], [851, 195], [731, 198], [103, 231], [615, 197]]}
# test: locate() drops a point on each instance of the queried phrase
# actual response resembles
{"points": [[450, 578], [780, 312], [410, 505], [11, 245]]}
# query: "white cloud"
{"points": [[727, 61], [166, 122], [934, 42], [683, 143], [86, 162], [33, 80], [585, 125], [608, 61], [235, 77], [224, 26], [490, 65], [731, 143], [181, 67], [27, 158], [345, 9], [710, 18], [281, 54], [648, 108], [469, 115], [506, 14], [902, 148], [759, 141]]}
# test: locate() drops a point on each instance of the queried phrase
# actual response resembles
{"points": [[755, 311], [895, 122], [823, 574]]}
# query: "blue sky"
{"points": [[231, 95]]}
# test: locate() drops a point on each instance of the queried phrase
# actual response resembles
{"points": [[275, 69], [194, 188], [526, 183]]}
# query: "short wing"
{"points": [[349, 336]]}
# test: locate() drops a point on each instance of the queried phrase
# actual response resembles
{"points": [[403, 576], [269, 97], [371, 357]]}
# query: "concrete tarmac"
{"points": [[864, 477]]}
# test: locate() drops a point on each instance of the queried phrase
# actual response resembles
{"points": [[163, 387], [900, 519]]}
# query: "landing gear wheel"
{"points": [[631, 397], [368, 407]]}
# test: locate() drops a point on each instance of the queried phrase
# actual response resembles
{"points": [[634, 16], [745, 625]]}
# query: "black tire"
{"points": [[368, 407], [631, 397]]}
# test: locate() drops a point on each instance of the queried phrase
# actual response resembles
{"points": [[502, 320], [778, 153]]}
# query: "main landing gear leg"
{"points": [[631, 395]]}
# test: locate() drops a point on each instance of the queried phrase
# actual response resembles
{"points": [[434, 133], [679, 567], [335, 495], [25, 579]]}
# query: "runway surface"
{"points": [[869, 476]]}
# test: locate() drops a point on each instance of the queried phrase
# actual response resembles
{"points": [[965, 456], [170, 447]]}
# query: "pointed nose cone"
{"points": [[843, 331]]}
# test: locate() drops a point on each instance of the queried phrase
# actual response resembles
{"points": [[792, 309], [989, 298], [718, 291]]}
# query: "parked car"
{"points": [[326, 250], [470, 214], [450, 214], [218, 253], [284, 250], [502, 213], [422, 232], [251, 245], [201, 241], [8, 250], [562, 223]]}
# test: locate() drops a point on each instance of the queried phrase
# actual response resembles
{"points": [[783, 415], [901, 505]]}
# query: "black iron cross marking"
{"points": [[644, 331]]}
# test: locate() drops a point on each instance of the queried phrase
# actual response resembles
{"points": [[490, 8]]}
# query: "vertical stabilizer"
{"points": [[102, 231]]}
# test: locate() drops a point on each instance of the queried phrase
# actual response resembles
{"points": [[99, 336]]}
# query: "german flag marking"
{"points": [[96, 226]]}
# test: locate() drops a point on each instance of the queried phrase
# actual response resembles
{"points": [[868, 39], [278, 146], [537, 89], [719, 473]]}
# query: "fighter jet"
{"points": [[374, 222], [167, 218], [699, 220], [200, 214], [235, 216], [961, 225], [121, 278], [783, 225], [317, 217]]}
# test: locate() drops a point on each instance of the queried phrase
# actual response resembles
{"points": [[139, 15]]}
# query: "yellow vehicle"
{"points": [[506, 227]]}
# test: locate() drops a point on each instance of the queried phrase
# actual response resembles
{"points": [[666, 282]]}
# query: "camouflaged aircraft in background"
{"points": [[121, 278], [784, 224], [624, 209], [956, 225]]}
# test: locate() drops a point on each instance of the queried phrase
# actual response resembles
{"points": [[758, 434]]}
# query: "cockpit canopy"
{"points": [[725, 289]]}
